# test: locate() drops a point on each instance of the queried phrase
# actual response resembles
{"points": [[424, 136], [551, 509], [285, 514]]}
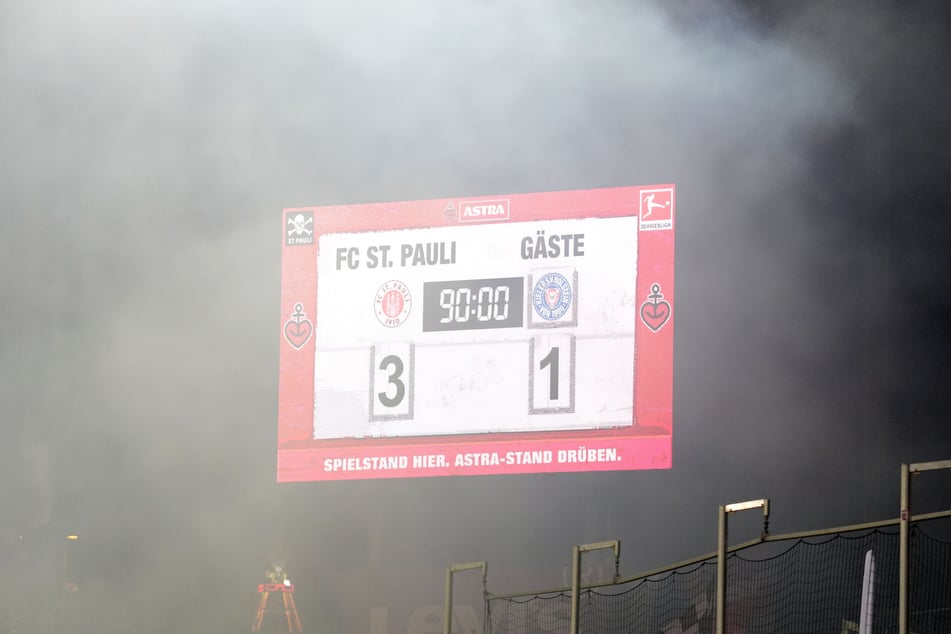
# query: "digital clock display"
{"points": [[473, 304]]}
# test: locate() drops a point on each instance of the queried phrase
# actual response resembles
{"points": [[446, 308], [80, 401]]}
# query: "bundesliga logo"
{"points": [[657, 209], [392, 303], [551, 297]]}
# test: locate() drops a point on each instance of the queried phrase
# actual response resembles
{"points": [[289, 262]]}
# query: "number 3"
{"points": [[394, 379]]}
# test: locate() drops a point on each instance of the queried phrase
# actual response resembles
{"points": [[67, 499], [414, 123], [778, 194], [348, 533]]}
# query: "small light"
{"points": [[72, 537], [287, 582]]}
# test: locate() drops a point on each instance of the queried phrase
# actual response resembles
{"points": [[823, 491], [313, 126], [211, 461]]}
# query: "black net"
{"points": [[529, 614], [799, 586], [929, 601], [813, 585]]}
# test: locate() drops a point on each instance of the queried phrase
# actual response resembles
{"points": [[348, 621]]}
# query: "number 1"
{"points": [[551, 367], [551, 359]]}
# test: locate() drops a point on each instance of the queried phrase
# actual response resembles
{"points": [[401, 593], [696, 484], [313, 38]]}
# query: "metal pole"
{"points": [[721, 550], [575, 587], [721, 569], [908, 470], [576, 551], [903, 550], [447, 615], [66, 573]]}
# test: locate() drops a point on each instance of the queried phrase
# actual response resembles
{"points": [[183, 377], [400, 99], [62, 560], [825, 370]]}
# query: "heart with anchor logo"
{"points": [[655, 312], [297, 333], [298, 329]]}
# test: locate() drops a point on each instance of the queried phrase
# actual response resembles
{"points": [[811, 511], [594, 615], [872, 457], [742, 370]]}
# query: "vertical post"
{"points": [[722, 548], [903, 549], [904, 586], [576, 551], [67, 580], [447, 615], [575, 588], [721, 569]]}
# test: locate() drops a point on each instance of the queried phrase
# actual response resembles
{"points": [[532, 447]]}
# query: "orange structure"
{"points": [[290, 608]]}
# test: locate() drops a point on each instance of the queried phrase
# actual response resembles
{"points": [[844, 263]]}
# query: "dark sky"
{"points": [[147, 149]]}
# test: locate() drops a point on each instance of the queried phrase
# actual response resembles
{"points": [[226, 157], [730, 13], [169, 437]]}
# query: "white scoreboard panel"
{"points": [[485, 338], [472, 336]]}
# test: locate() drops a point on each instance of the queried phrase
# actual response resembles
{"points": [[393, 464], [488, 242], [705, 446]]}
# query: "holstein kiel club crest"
{"points": [[298, 329], [551, 296], [655, 312]]}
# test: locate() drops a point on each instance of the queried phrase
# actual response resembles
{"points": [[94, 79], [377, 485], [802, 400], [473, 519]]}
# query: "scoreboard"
{"points": [[504, 334]]}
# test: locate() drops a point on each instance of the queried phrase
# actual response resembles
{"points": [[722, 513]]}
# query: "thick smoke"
{"points": [[148, 148]]}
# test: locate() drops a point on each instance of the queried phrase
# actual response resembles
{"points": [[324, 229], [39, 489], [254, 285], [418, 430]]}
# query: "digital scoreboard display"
{"points": [[487, 335]]}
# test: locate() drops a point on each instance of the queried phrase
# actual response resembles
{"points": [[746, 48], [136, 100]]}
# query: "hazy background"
{"points": [[147, 149]]}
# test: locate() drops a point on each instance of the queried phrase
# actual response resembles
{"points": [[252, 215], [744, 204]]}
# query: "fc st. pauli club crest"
{"points": [[392, 303]]}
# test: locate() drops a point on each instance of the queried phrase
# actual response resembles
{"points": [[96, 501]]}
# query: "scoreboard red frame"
{"points": [[643, 445]]}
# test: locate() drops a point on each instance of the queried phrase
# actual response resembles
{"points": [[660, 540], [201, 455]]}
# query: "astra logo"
{"points": [[483, 210]]}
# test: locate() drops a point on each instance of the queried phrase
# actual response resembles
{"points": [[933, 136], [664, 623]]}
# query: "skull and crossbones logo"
{"points": [[298, 225]]}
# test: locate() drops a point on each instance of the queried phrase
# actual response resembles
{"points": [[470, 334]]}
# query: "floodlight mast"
{"points": [[66, 573], [721, 550], [908, 470], [447, 617]]}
